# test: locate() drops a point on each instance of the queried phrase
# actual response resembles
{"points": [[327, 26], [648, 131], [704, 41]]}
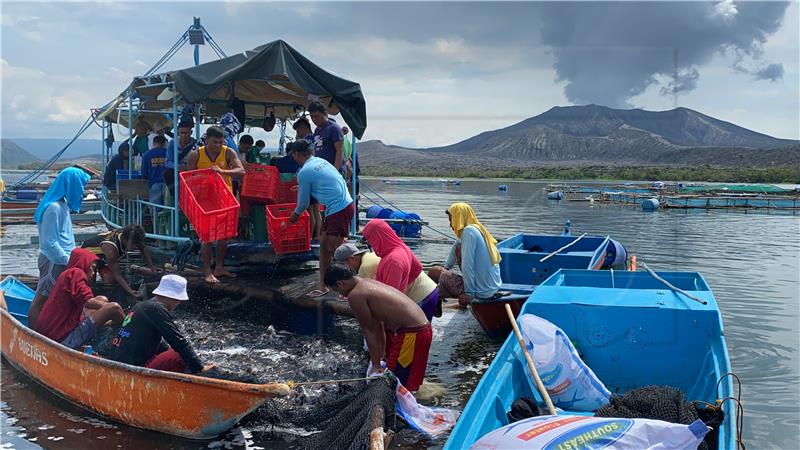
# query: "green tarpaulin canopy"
{"points": [[273, 78]]}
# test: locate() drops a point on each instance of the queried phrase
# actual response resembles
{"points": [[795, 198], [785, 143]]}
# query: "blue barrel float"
{"points": [[503, 187], [555, 195], [406, 229], [650, 204], [616, 255], [378, 212]]}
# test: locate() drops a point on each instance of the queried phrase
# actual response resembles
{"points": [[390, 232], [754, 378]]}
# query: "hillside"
{"points": [[590, 135], [44, 148], [12, 155]]}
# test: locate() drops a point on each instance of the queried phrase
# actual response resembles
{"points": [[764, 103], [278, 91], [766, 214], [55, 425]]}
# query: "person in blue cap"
{"points": [[56, 238]]}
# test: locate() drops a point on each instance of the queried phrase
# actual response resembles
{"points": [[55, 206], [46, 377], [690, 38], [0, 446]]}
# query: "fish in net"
{"points": [[344, 423]]}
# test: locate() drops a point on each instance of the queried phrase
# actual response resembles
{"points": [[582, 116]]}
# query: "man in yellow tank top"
{"points": [[224, 161]]}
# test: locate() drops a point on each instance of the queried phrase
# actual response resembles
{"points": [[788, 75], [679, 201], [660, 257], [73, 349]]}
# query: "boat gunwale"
{"points": [[267, 389]]}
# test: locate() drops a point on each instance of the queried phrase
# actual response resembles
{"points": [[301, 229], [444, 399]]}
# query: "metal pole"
{"points": [[354, 227], [130, 129], [282, 140], [175, 227]]}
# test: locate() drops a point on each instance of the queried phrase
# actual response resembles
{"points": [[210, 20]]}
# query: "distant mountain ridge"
{"points": [[12, 155], [592, 134]]}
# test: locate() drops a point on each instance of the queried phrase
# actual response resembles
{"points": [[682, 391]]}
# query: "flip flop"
{"points": [[318, 293]]}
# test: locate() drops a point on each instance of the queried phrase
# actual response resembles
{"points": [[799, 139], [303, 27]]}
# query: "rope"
{"points": [[739, 407], [293, 385], [364, 183]]}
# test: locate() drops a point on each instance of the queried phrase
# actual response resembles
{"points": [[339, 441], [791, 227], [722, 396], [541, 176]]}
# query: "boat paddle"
{"points": [[529, 360]]}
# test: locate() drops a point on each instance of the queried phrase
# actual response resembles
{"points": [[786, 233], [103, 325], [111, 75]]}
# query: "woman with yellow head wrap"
{"points": [[477, 255]]}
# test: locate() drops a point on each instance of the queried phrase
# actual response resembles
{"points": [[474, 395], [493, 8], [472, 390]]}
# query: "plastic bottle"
{"points": [[89, 350]]}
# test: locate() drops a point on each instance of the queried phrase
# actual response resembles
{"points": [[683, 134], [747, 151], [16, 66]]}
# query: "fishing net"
{"points": [[344, 423], [656, 402]]}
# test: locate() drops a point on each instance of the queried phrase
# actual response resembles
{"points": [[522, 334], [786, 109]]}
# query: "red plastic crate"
{"points": [[285, 192], [286, 237], [261, 183], [209, 205]]}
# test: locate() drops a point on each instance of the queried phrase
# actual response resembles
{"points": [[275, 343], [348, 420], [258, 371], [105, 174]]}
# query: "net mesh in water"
{"points": [[344, 423]]}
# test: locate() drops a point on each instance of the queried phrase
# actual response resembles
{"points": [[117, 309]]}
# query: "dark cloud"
{"points": [[772, 72], [608, 52], [684, 82]]}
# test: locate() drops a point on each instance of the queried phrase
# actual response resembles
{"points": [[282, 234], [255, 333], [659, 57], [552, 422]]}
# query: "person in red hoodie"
{"points": [[400, 268], [73, 314]]}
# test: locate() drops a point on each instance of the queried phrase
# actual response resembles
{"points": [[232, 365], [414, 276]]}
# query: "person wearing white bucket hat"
{"points": [[149, 336]]}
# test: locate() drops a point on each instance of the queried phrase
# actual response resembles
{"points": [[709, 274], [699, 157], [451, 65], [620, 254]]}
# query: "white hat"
{"points": [[172, 286]]}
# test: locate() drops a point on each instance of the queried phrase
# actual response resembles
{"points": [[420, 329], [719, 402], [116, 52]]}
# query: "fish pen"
{"points": [[731, 202]]}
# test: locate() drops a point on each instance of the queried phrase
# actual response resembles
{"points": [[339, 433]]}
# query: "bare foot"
{"points": [[211, 279], [224, 273]]}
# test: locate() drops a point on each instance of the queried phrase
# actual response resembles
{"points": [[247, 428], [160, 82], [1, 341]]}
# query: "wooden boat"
{"points": [[521, 270], [25, 208], [18, 297], [630, 329], [174, 403]]}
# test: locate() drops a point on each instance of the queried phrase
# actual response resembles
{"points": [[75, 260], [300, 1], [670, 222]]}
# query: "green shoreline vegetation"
{"points": [[781, 174]]}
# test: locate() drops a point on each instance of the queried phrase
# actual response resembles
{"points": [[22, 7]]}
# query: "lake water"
{"points": [[751, 261]]}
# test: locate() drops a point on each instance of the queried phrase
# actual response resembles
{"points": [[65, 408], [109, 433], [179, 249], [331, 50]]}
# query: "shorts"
{"points": [[48, 274], [407, 354], [429, 303], [81, 334], [168, 360], [338, 224], [451, 285]]}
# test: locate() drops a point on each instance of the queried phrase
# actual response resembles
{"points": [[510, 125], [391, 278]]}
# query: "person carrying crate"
{"points": [[224, 161], [318, 178]]}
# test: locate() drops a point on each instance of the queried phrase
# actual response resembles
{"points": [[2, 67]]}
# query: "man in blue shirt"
{"points": [[186, 143], [153, 166], [318, 178], [328, 136]]}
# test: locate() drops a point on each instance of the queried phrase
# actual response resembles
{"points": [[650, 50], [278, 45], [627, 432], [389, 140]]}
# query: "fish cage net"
{"points": [[344, 423]]}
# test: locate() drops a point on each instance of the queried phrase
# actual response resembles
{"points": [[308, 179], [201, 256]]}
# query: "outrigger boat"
{"points": [[631, 330], [184, 405]]}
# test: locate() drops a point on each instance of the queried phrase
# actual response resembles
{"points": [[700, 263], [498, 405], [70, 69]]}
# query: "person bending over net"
{"points": [[394, 326], [149, 336]]}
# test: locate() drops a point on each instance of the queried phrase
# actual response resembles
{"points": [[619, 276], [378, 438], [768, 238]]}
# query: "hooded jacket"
{"points": [[398, 266], [64, 307]]}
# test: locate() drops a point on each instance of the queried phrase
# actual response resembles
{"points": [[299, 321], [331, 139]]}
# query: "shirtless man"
{"points": [[392, 324]]}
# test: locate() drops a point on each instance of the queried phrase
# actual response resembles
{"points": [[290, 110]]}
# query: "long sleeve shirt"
{"points": [[140, 337], [56, 239], [481, 277]]}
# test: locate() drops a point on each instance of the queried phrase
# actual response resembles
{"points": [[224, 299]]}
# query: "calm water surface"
{"points": [[751, 261]]}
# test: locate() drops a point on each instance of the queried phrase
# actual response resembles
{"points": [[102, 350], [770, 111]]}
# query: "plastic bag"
{"points": [[570, 382], [589, 433], [431, 421]]}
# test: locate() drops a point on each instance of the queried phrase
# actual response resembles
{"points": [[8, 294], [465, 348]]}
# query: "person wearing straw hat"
{"points": [[149, 336]]}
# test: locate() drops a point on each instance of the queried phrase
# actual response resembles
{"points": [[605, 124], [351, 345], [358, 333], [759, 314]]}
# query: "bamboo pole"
{"points": [[377, 435], [529, 360], [562, 248]]}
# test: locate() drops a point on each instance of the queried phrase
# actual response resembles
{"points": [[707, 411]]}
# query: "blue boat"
{"points": [[521, 270], [18, 298], [630, 329]]}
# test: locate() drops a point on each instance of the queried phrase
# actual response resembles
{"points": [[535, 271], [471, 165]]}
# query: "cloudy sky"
{"points": [[432, 73]]}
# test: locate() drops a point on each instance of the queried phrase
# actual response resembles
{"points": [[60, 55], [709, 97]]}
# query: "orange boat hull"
{"points": [[178, 404]]}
